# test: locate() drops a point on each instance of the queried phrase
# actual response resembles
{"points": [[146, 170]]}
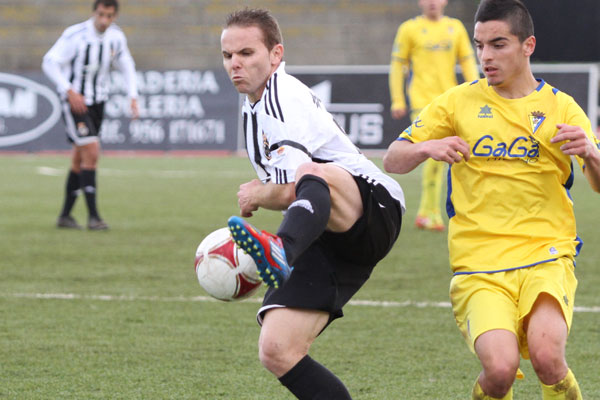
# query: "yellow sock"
{"points": [[568, 388], [431, 188], [478, 393]]}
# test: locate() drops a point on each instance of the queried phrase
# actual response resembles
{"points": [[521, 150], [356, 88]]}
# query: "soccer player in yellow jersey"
{"points": [[509, 140], [430, 46]]}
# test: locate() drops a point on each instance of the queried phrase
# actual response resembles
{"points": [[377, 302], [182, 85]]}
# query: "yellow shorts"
{"points": [[482, 302]]}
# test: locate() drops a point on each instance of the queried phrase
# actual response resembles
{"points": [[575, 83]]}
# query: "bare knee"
{"points": [[498, 377], [76, 167], [286, 336], [270, 355], [547, 337], [278, 357], [89, 155], [549, 365], [498, 351]]}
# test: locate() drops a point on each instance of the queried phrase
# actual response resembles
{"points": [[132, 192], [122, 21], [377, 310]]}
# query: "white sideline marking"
{"points": [[49, 171], [181, 299]]}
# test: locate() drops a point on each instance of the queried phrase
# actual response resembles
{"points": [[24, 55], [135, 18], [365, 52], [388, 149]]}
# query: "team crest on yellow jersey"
{"points": [[536, 119]]}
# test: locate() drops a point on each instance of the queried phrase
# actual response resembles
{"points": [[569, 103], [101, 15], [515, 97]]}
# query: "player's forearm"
{"points": [[273, 196], [396, 82], [403, 156], [592, 170], [127, 67]]}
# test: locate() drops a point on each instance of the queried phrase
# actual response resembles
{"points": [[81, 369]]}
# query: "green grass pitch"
{"points": [[120, 315]]}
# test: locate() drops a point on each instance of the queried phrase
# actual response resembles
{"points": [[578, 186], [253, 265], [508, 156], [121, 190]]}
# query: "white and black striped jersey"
{"points": [[289, 126], [81, 60]]}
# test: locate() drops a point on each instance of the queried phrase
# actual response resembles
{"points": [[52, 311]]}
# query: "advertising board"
{"points": [[192, 110]]}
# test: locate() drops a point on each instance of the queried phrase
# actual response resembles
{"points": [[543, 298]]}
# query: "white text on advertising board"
{"points": [[27, 110], [170, 106]]}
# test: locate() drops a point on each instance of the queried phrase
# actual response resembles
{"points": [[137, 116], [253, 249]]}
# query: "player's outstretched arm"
{"points": [[577, 143], [403, 156]]}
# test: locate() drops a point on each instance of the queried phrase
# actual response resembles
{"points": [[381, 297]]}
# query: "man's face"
{"points": [[433, 9], [501, 55], [103, 17], [247, 60]]}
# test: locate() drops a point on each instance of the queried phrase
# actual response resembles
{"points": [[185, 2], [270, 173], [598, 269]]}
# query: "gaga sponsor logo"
{"points": [[525, 148]]}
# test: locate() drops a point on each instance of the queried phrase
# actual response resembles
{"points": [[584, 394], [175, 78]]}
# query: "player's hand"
{"points": [[135, 112], [246, 197], [577, 143], [398, 113], [77, 102], [450, 149]]}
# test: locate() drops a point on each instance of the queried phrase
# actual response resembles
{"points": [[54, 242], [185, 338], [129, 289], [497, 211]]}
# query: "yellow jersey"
{"points": [[431, 50], [509, 205]]}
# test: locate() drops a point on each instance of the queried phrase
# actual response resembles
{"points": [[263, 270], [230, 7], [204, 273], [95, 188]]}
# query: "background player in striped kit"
{"points": [[429, 46], [510, 140], [342, 216], [79, 64]]}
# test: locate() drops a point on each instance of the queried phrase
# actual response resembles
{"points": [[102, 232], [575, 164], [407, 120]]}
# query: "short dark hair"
{"points": [[107, 3], [260, 18], [513, 12]]}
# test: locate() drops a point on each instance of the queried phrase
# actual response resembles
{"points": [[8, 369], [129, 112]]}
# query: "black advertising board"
{"points": [[359, 99], [179, 110]]}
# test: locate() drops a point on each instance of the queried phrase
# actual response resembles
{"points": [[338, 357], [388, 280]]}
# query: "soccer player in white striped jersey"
{"points": [[79, 64], [343, 214]]}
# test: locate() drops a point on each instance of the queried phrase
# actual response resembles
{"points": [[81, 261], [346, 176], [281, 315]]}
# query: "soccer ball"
{"points": [[223, 269]]}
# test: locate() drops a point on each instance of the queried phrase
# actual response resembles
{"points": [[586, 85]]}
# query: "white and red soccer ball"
{"points": [[223, 269]]}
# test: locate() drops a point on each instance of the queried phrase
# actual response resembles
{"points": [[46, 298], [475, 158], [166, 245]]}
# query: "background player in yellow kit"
{"points": [[512, 238], [430, 46]]}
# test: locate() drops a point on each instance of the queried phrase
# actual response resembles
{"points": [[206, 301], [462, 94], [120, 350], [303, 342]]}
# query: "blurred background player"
{"points": [[343, 214], [79, 64], [428, 47], [512, 238]]}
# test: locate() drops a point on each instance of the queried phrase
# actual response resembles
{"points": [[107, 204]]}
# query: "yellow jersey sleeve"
{"points": [[434, 121], [399, 66], [465, 55]]}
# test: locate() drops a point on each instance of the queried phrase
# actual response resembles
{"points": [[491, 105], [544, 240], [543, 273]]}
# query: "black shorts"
{"points": [[336, 265], [83, 128]]}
